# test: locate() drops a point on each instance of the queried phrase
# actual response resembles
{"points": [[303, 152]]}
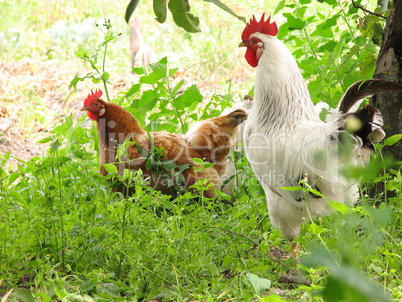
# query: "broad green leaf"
{"points": [[367, 67], [352, 52], [169, 165], [258, 283], [293, 22], [180, 10], [331, 2], [13, 177], [340, 207], [159, 71], [86, 286], [200, 162], [279, 7], [62, 129], [316, 229], [56, 145], [160, 10], [97, 232], [315, 192], [22, 295], [139, 70], [183, 167], [110, 168], [190, 98], [330, 22], [226, 9], [17, 196], [44, 140], [392, 140], [105, 76], [338, 47], [291, 188], [134, 89], [213, 270], [329, 46], [75, 81], [130, 9], [172, 72]]}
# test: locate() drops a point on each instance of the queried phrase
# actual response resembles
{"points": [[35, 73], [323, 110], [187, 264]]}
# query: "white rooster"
{"points": [[286, 141]]}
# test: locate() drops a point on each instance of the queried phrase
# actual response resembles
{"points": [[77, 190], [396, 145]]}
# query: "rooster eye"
{"points": [[254, 41]]}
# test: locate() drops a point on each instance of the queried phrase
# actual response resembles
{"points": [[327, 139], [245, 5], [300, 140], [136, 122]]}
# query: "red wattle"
{"points": [[92, 116], [251, 57]]}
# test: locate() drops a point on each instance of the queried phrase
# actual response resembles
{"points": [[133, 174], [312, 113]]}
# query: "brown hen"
{"points": [[211, 141]]}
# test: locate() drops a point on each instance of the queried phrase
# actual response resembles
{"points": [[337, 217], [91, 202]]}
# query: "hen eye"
{"points": [[254, 41]]}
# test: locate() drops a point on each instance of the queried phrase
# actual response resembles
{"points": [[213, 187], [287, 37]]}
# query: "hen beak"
{"points": [[242, 44], [85, 108]]}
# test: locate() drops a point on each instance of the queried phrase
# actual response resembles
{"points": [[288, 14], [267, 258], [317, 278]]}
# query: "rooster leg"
{"points": [[295, 254]]}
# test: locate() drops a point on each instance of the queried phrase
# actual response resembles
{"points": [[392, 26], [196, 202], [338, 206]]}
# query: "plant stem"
{"points": [[347, 23], [60, 213], [385, 179], [173, 99], [103, 72]]}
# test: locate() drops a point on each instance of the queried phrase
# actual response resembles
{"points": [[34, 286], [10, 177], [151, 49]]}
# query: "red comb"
{"points": [[264, 27], [93, 96]]}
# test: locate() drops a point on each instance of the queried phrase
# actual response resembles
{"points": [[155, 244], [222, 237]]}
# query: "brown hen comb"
{"points": [[264, 27], [92, 96]]}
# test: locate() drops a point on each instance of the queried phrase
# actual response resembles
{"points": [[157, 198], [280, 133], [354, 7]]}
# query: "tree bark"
{"points": [[389, 67]]}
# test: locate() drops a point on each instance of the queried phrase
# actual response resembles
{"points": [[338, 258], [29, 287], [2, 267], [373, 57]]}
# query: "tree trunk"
{"points": [[389, 67]]}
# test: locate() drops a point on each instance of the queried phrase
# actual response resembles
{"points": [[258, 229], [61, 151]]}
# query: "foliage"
{"points": [[180, 11], [331, 57]]}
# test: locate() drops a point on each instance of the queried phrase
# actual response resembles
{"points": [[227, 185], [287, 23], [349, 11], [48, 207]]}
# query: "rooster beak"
{"points": [[85, 108], [242, 44]]}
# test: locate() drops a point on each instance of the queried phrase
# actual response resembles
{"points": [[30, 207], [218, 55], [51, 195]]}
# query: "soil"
{"points": [[34, 96]]}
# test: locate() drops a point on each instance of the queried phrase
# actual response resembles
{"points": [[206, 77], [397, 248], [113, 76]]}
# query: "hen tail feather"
{"points": [[215, 137]]}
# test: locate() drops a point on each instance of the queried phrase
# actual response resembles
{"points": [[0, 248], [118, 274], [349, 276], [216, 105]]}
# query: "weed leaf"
{"points": [[258, 283], [22, 295], [110, 168], [160, 10], [17, 196], [340, 207], [182, 16], [130, 9], [392, 140]]}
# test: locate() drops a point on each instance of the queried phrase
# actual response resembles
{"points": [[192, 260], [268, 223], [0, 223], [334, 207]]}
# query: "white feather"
{"points": [[285, 140]]}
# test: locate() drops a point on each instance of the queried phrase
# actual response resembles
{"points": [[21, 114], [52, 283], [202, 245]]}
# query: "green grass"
{"points": [[66, 237]]}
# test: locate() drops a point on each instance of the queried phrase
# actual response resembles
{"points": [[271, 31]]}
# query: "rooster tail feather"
{"points": [[356, 93], [365, 124]]}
